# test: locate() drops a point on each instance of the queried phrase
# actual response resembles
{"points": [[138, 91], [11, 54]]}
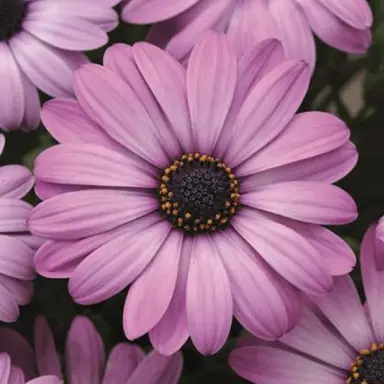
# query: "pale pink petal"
{"points": [[333, 30], [31, 119], [285, 250], [149, 11], [20, 290], [5, 368], [343, 309], [311, 202], [58, 259], [264, 303], [9, 310], [268, 109], [16, 376], [115, 106], [308, 135], [328, 167], [115, 265], [371, 261], [317, 338], [12, 100], [99, 13], [15, 181], [150, 295], [16, 258], [269, 365], [158, 369], [93, 165], [171, 332], [252, 67], [45, 380], [55, 76], [53, 26], [13, 215], [209, 298], [251, 23], [45, 190], [121, 60], [178, 35], [84, 351], [210, 88], [66, 121], [167, 81], [294, 31], [19, 350], [357, 13], [122, 361], [47, 359], [337, 255], [76, 215], [2, 143]]}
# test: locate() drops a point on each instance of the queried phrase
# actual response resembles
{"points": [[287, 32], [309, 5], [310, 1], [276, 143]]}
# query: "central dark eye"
{"points": [[12, 13], [199, 193], [368, 367]]}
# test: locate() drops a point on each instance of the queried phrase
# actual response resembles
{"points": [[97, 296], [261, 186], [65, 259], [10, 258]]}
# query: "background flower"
{"points": [[40, 44], [85, 359], [333, 330], [247, 22], [121, 140], [17, 245]]}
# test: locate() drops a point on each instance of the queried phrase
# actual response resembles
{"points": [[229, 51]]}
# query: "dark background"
{"points": [[336, 75]]}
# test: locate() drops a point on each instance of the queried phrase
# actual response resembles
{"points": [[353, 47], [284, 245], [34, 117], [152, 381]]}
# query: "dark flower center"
{"points": [[198, 193], [368, 367], [12, 13]]}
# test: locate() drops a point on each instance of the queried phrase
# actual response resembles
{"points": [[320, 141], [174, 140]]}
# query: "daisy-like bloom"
{"points": [[40, 44], [343, 25], [85, 358], [201, 188], [339, 340], [17, 245]]}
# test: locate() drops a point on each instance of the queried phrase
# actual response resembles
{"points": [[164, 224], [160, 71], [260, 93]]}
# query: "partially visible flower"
{"points": [[10, 374], [85, 359], [338, 340], [200, 188], [17, 245], [40, 42], [344, 25]]}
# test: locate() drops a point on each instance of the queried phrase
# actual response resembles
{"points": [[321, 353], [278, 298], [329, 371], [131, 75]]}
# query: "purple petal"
{"points": [[264, 303], [84, 351], [311, 202], [15, 181], [97, 278], [285, 250], [171, 332], [209, 298], [210, 88], [158, 369], [268, 109], [122, 361], [76, 215], [150, 295], [46, 356], [340, 306]]}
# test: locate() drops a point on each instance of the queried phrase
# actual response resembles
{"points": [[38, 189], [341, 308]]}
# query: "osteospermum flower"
{"points": [[343, 25], [39, 48], [17, 245], [338, 340], [85, 358], [199, 187]]}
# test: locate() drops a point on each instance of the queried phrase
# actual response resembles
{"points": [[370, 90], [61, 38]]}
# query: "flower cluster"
{"points": [[185, 172]]}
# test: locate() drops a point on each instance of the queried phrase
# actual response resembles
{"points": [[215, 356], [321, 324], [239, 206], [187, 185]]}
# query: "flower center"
{"points": [[368, 368], [12, 13], [198, 193]]}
